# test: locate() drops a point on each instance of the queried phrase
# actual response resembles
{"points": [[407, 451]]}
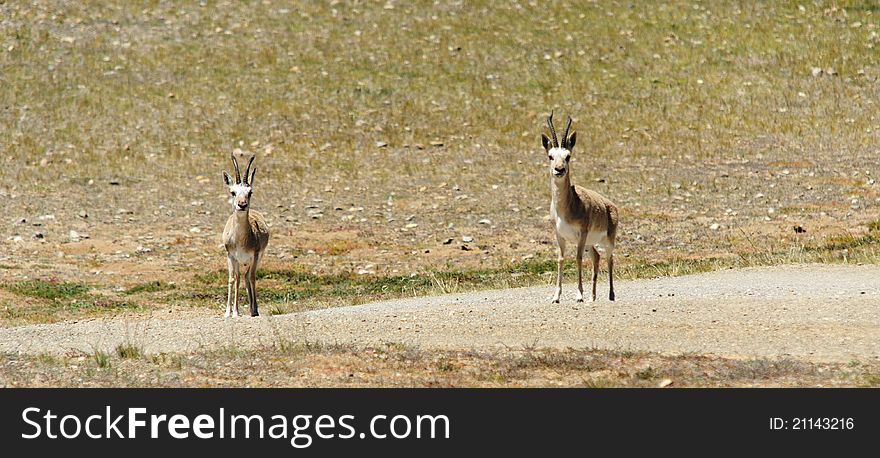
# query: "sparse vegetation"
{"points": [[129, 350], [101, 358], [307, 364], [693, 118], [150, 287]]}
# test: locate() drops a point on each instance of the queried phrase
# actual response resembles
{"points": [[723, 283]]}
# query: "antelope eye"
{"points": [[550, 157], [568, 158], [231, 193]]}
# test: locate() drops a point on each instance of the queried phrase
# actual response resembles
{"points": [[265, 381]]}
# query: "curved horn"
{"points": [[552, 130], [237, 172], [565, 134], [247, 171]]}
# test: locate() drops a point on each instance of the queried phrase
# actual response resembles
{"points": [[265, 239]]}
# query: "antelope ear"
{"points": [[545, 141], [251, 181], [227, 179], [571, 140]]}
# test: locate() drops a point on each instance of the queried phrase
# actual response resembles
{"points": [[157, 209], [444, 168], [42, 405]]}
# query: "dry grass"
{"points": [[705, 123], [302, 365]]}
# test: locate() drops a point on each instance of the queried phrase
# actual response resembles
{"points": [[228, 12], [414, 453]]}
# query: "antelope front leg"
{"points": [[580, 263], [560, 242], [252, 289], [231, 279], [237, 282], [594, 256]]}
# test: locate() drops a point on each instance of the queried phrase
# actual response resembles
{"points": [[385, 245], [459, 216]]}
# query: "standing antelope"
{"points": [[579, 215], [245, 237]]}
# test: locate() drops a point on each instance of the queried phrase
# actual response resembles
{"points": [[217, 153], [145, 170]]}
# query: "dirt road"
{"points": [[813, 312]]}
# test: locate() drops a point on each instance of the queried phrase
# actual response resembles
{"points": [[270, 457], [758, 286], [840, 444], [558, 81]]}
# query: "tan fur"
{"points": [[252, 237], [590, 210]]}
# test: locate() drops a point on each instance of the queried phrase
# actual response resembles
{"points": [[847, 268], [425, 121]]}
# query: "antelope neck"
{"points": [[561, 189]]}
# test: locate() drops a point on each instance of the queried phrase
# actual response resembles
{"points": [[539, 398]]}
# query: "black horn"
{"points": [[552, 130], [237, 172], [247, 171], [565, 134]]}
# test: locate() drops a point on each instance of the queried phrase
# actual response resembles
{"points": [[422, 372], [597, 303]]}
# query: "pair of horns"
{"points": [[246, 171], [553, 132]]}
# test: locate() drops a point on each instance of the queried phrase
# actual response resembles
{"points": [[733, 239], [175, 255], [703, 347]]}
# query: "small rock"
{"points": [[664, 383], [381, 144], [82, 214], [465, 248], [195, 230], [412, 226], [715, 226], [467, 239], [74, 236], [485, 221], [436, 143], [816, 71], [447, 241]]}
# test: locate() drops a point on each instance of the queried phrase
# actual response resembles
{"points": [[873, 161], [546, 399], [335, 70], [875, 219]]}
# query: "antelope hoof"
{"points": [[226, 315], [255, 314]]}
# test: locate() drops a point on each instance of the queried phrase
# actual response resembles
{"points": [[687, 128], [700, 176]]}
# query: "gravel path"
{"points": [[813, 312]]}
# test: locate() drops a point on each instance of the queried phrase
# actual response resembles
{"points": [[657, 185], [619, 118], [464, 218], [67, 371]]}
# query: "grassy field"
{"points": [[731, 134]]}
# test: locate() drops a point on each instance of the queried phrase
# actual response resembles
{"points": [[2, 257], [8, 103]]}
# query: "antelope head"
{"points": [[559, 155], [240, 190]]}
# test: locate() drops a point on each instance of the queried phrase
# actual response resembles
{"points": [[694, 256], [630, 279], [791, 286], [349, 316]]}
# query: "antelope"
{"points": [[245, 237], [580, 216]]}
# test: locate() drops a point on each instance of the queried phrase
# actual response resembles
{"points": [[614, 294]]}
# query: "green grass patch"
{"points": [[129, 350], [102, 359], [50, 290]]}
